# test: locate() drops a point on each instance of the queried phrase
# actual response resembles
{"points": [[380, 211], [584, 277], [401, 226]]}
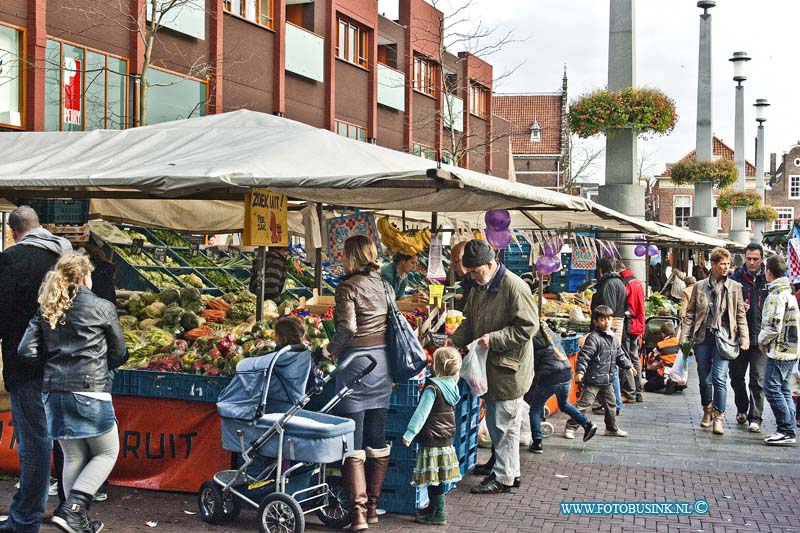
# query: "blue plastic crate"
{"points": [[400, 471], [60, 211], [172, 385], [397, 419], [570, 344], [395, 440], [403, 499], [468, 461], [127, 277], [407, 394]]}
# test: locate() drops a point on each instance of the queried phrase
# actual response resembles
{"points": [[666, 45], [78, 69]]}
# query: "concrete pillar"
{"points": [[739, 231], [622, 191], [703, 205], [758, 225]]}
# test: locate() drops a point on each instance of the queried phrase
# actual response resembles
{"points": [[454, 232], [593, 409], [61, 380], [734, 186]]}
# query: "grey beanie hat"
{"points": [[477, 253]]}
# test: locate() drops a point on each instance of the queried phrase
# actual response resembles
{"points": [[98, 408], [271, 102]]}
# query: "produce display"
{"points": [[411, 242], [180, 330], [170, 238], [198, 260], [141, 259], [192, 280], [658, 303], [223, 280], [161, 279]]}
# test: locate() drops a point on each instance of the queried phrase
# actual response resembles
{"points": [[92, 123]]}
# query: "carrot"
{"points": [[218, 304], [212, 315], [196, 333]]}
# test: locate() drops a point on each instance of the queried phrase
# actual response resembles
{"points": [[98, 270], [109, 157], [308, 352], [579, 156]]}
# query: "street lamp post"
{"points": [[703, 218], [761, 117], [739, 231]]}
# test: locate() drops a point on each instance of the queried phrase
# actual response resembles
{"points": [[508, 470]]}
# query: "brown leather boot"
{"points": [[355, 484], [707, 411], [377, 465], [719, 419]]}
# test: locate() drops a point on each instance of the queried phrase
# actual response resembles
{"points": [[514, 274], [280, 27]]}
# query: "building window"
{"points": [[682, 210], [536, 132], [351, 131], [794, 186], [173, 97], [718, 215], [352, 43], [11, 86], [478, 98], [797, 162], [785, 218], [424, 75], [425, 152], [258, 11], [84, 89]]}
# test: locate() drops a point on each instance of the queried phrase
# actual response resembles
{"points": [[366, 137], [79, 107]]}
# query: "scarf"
{"points": [[718, 302]]}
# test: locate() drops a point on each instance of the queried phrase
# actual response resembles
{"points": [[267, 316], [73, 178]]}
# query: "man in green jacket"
{"points": [[501, 316]]}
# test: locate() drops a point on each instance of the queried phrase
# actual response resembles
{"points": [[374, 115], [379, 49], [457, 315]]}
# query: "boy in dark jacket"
{"points": [[595, 369], [553, 376]]}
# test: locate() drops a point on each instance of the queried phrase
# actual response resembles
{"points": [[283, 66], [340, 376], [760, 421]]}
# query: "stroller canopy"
{"points": [[290, 369]]}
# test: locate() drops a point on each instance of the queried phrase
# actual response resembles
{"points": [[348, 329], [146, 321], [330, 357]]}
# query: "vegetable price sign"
{"points": [[265, 216]]}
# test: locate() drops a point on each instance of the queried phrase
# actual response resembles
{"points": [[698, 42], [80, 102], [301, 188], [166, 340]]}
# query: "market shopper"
{"points": [[716, 306], [22, 269], [433, 426], [610, 291], [465, 282], [552, 375], [501, 315], [396, 273], [361, 317], [752, 278], [76, 338], [271, 272], [686, 294], [778, 338], [633, 329]]}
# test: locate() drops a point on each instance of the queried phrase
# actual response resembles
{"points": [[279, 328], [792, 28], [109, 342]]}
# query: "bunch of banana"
{"points": [[409, 243]]}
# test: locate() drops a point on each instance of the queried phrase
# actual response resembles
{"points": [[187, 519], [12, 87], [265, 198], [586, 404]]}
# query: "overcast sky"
{"points": [[575, 33]]}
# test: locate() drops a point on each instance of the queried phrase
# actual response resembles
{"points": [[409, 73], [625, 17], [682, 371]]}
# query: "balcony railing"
{"points": [[304, 53], [391, 87]]}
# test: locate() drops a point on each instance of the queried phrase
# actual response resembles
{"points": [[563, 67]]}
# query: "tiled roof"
{"points": [[522, 111], [722, 150]]}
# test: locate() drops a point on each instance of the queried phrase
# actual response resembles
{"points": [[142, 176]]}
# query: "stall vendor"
{"points": [[396, 273]]}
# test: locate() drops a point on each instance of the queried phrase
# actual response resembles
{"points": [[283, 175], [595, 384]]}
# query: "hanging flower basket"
{"points": [[606, 112], [722, 172], [763, 212], [728, 199]]}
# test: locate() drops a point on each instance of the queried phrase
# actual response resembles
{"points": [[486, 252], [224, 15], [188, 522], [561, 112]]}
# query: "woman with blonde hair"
{"points": [[361, 317], [77, 338]]}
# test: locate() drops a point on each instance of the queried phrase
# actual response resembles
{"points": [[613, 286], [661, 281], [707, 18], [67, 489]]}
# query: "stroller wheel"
{"points": [[335, 515], [216, 508], [547, 429], [280, 513], [546, 412]]}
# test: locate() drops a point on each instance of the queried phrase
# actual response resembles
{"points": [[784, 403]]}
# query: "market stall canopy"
{"points": [[219, 156]]}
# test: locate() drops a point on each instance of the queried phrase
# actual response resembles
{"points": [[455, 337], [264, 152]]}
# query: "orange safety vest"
{"points": [[668, 350]]}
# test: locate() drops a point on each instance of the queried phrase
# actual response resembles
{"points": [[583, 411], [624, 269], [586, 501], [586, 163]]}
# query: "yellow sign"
{"points": [[435, 294], [265, 216]]}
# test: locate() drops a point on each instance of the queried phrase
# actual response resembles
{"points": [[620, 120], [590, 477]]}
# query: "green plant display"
{"points": [[763, 212], [728, 199], [606, 112], [722, 172]]}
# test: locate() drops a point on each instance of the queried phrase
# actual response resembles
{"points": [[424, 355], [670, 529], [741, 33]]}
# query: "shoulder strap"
{"points": [[389, 300]]}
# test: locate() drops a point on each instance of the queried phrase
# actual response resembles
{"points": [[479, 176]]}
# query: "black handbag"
{"points": [[406, 356], [727, 346]]}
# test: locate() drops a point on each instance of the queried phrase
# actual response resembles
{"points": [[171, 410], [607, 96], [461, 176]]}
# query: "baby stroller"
{"points": [[263, 417], [652, 336]]}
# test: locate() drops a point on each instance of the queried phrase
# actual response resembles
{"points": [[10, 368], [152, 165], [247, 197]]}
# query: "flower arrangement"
{"points": [[722, 172], [606, 112], [728, 199], [763, 212]]}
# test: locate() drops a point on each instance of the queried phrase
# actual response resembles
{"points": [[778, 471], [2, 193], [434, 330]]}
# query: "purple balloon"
{"points": [[652, 250], [498, 220], [498, 239], [640, 250]]}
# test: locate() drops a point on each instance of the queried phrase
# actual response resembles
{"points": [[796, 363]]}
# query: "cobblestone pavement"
{"points": [[668, 457]]}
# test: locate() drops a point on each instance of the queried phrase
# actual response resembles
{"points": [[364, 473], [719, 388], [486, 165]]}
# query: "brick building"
{"points": [[784, 193], [673, 204], [334, 64], [539, 136]]}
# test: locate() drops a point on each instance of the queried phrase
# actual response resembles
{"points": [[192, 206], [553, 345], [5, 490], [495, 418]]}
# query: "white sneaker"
{"points": [[53, 491], [569, 433], [774, 436], [780, 440], [754, 427], [615, 433]]}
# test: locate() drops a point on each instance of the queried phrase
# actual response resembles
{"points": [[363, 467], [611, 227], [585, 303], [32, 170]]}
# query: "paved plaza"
{"points": [[668, 457]]}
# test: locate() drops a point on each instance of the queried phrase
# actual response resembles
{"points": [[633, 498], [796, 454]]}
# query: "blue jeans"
{"points": [[541, 394], [34, 448], [713, 373], [617, 392], [776, 390]]}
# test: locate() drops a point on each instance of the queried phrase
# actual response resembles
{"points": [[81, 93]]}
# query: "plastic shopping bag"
{"points": [[679, 373], [525, 437], [473, 369]]}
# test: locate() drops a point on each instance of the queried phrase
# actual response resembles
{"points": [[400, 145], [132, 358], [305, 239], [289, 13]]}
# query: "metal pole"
{"points": [[434, 223], [3, 245], [262, 250], [318, 264]]}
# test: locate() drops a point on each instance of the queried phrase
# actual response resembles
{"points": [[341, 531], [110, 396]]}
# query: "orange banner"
{"points": [[164, 444]]}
